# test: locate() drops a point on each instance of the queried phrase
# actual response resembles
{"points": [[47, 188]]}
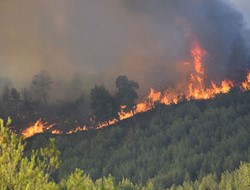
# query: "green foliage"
{"points": [[78, 180], [209, 183], [105, 183], [235, 180], [169, 145], [17, 171], [126, 184], [20, 173], [198, 148]]}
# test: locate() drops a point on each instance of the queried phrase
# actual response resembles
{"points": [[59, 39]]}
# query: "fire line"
{"points": [[195, 88]]}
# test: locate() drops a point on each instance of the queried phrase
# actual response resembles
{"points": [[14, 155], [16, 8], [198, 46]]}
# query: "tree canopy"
{"points": [[174, 147], [103, 104], [126, 94]]}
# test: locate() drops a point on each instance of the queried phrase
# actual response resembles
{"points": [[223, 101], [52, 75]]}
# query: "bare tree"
{"points": [[15, 99], [6, 99], [27, 98], [11, 100]]}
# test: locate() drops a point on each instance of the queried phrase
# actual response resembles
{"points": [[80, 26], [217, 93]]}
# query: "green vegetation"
{"points": [[18, 172], [78, 108], [170, 145], [238, 179]]}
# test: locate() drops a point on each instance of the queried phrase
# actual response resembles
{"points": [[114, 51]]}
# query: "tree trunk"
{"points": [[133, 112], [44, 96]]}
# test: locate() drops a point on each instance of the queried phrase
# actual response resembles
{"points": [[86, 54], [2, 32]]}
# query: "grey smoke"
{"points": [[100, 39]]}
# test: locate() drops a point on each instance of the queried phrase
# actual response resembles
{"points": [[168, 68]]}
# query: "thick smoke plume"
{"points": [[93, 41]]}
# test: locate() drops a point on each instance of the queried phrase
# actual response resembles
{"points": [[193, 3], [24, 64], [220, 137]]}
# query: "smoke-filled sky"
{"points": [[244, 7], [100, 39]]}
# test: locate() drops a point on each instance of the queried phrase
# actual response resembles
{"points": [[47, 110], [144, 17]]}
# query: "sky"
{"points": [[100, 39]]}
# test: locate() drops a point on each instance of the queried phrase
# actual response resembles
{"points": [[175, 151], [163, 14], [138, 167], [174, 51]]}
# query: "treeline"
{"points": [[32, 103], [34, 173], [167, 145]]}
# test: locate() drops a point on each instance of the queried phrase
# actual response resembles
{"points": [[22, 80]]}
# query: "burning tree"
{"points": [[103, 104], [42, 84], [126, 94]]}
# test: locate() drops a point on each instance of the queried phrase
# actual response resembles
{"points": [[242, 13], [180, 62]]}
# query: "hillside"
{"points": [[167, 145]]}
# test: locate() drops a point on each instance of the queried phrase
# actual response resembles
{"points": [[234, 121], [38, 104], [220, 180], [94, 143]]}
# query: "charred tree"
{"points": [[42, 84], [126, 94], [15, 100], [103, 105]]}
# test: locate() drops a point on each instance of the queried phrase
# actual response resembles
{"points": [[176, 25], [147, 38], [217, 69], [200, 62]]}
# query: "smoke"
{"points": [[244, 7], [97, 40]]}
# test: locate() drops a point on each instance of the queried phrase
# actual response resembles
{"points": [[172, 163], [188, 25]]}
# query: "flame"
{"points": [[246, 84], [84, 128], [198, 55], [38, 127], [56, 132], [194, 87]]}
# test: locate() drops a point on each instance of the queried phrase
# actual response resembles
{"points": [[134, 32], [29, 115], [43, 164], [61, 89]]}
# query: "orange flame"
{"points": [[84, 128], [56, 132], [196, 86], [198, 55], [246, 84], [38, 127], [193, 88]]}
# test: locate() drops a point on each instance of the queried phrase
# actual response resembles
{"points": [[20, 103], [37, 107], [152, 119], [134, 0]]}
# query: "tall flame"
{"points": [[193, 88], [196, 87]]}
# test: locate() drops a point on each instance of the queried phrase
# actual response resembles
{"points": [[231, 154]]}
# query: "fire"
{"points": [[84, 128], [246, 84], [56, 132], [198, 55], [38, 127], [194, 87]]}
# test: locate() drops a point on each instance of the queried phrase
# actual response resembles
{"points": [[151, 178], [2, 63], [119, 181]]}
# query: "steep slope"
{"points": [[168, 145]]}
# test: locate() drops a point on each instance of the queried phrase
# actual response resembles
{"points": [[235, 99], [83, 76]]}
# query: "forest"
{"points": [[37, 101], [195, 144], [190, 143], [125, 95], [19, 172]]}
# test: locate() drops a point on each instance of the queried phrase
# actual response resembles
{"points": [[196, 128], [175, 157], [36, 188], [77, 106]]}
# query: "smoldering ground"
{"points": [[93, 41]]}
